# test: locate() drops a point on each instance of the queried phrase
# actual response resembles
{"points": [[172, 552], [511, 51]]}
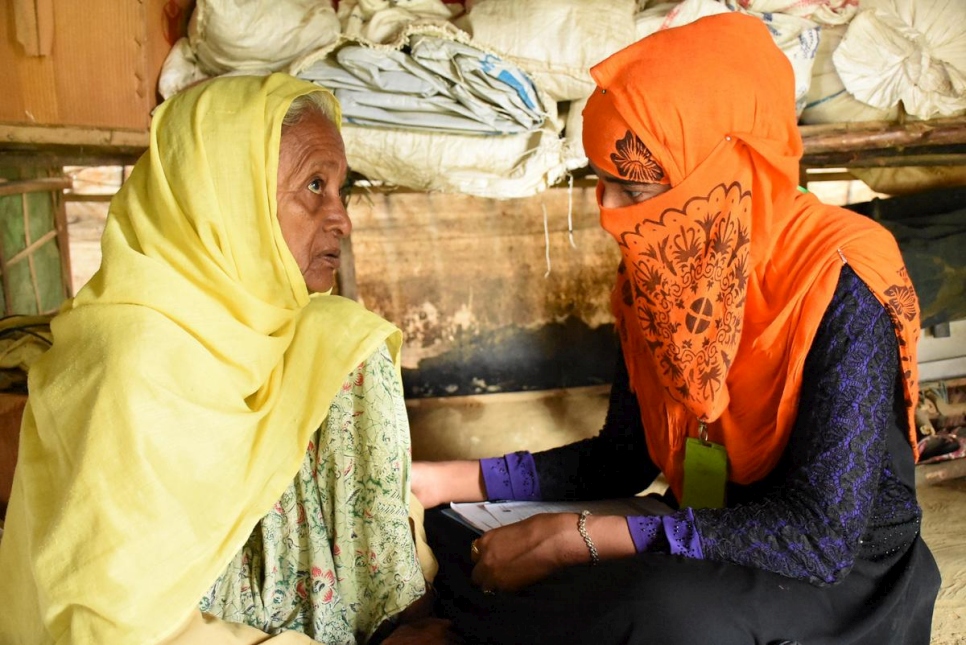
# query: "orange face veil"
{"points": [[726, 276]]}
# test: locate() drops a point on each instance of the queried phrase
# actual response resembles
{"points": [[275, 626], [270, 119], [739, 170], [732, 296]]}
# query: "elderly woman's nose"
{"points": [[338, 221]]}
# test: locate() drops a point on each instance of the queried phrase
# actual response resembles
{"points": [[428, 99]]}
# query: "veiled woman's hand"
{"points": [[520, 554]]}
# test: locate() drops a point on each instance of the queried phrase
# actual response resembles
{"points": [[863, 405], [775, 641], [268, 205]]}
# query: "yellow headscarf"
{"points": [[182, 387]]}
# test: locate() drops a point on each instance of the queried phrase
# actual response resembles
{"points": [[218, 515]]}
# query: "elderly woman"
{"points": [[768, 370], [211, 453]]}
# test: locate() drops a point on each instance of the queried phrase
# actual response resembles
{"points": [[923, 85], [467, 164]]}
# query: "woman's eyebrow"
{"points": [[611, 178]]}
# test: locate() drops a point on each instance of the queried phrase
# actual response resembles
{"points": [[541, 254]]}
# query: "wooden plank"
{"points": [[928, 474]]}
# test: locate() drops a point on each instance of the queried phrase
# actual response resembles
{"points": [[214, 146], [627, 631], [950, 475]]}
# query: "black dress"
{"points": [[824, 550]]}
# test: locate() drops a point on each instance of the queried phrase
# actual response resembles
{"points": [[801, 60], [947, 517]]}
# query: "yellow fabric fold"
{"points": [[182, 386]]}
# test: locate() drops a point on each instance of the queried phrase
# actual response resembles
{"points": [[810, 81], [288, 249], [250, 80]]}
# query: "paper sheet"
{"points": [[484, 516]]}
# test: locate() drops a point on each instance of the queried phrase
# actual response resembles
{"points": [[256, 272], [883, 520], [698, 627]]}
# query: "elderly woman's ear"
{"points": [[312, 170]]}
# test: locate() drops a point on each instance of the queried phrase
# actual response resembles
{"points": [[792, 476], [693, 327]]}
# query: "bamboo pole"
{"points": [[40, 185]]}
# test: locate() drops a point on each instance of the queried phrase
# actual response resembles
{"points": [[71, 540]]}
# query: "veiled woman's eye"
{"points": [[316, 186]]}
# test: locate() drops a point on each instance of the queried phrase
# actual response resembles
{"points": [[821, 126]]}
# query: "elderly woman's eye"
{"points": [[316, 185]]}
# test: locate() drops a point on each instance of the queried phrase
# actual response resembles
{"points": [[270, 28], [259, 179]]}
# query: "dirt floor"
{"points": [[944, 530], [944, 505]]}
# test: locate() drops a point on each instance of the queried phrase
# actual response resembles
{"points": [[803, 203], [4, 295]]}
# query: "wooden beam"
{"points": [[72, 136], [88, 197], [866, 144], [895, 158], [41, 185], [879, 135]]}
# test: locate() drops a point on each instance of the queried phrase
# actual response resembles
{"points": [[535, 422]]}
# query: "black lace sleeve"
{"points": [[615, 463], [817, 512]]}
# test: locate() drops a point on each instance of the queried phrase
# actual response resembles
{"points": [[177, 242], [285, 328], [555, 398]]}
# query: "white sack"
{"points": [[797, 37], [495, 166], [259, 36], [574, 155], [912, 51], [555, 41], [825, 12], [827, 100], [381, 21], [180, 69], [500, 167]]}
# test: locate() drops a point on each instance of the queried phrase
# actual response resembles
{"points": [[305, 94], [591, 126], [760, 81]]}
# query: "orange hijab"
{"points": [[726, 276]]}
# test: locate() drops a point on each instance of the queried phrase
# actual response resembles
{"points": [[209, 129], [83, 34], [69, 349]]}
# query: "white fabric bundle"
{"points": [[913, 51], [259, 36], [180, 69], [555, 41]]}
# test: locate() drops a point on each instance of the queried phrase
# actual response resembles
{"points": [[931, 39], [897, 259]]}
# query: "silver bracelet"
{"points": [[582, 529]]}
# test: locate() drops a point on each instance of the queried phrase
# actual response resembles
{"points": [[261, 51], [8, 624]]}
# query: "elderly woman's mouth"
{"points": [[329, 259]]}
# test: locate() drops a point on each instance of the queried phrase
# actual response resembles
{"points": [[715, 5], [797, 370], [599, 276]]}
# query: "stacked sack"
{"points": [[498, 113]]}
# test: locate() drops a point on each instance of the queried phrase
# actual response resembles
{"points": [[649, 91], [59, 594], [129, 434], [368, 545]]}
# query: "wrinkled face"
{"points": [[618, 192], [311, 176]]}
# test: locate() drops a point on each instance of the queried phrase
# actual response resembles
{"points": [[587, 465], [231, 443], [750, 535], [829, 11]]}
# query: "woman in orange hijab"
{"points": [[768, 371]]}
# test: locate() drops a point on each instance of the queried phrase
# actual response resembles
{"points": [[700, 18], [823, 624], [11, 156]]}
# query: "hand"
{"points": [[440, 482], [519, 554]]}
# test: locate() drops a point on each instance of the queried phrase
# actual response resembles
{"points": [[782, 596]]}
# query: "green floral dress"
{"points": [[335, 557]]}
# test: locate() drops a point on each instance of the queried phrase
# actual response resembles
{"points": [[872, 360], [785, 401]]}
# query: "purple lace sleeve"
{"points": [[835, 495], [674, 534], [513, 476]]}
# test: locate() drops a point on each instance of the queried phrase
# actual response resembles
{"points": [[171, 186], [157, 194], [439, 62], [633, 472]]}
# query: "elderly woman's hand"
{"points": [[517, 555], [440, 482]]}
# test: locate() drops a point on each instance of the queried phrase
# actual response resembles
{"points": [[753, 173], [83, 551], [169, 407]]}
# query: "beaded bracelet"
{"points": [[582, 529]]}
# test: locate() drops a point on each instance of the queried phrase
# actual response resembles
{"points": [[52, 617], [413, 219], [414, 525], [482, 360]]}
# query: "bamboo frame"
{"points": [[55, 187]]}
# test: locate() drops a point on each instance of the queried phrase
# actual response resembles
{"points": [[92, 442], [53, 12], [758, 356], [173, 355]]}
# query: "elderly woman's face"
{"points": [[311, 172]]}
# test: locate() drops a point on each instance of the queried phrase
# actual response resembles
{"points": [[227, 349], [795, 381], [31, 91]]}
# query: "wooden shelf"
{"points": [[35, 145]]}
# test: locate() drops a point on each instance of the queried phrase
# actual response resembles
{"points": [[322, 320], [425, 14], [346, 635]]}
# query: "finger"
{"points": [[480, 577], [475, 551]]}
